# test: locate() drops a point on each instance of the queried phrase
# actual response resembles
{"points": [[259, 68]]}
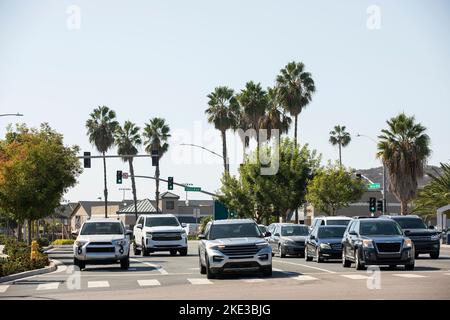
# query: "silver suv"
{"points": [[234, 245], [102, 241]]}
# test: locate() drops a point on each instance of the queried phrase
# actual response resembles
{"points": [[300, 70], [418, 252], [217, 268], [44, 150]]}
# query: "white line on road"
{"points": [[150, 282], [158, 268], [408, 275], [48, 286], [355, 276], [303, 265], [254, 280], [305, 278], [98, 284], [277, 270], [447, 274], [3, 288], [199, 281]]}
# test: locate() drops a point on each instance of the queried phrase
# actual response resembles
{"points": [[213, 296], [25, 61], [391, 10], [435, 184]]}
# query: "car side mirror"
{"points": [[267, 234], [129, 232], [312, 237], [407, 232], [201, 237], [276, 234], [139, 226], [431, 227], [183, 225], [75, 233], [353, 233]]}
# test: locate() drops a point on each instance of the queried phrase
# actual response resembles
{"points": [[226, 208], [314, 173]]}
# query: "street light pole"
{"points": [[11, 115]]}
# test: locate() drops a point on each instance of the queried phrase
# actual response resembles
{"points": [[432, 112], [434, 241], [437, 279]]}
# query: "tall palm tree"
{"points": [[243, 124], [341, 138], [274, 117], [404, 148], [127, 140], [157, 133], [223, 111], [100, 129], [295, 89]]}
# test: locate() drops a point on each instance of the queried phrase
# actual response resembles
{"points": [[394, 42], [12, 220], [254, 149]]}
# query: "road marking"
{"points": [[355, 276], [48, 286], [303, 265], [305, 278], [98, 284], [158, 268], [199, 281], [151, 282], [277, 270], [408, 275], [3, 288], [254, 280], [447, 274]]}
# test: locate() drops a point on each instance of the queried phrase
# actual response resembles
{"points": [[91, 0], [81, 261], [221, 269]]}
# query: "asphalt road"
{"points": [[162, 276]]}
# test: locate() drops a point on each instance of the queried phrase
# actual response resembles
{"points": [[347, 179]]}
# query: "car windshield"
{"points": [[343, 222], [380, 228], [326, 232], [411, 223], [234, 230], [92, 228], [287, 231], [162, 222]]}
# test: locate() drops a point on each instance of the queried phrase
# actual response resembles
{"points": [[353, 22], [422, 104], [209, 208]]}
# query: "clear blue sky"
{"points": [[161, 58]]}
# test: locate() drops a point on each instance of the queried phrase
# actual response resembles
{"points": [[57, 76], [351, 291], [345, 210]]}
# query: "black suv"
{"points": [[375, 241], [426, 240]]}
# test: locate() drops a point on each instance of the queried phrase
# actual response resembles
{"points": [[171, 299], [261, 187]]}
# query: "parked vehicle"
{"points": [[159, 232], [102, 241], [325, 242], [375, 241], [426, 240], [288, 239], [235, 245], [330, 221]]}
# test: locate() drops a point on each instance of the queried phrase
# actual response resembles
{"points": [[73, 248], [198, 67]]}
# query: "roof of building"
{"points": [[65, 210], [143, 206], [168, 194], [87, 205]]}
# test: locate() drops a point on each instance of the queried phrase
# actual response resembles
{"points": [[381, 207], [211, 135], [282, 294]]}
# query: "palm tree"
{"points": [[243, 124], [127, 140], [223, 112], [340, 137], [100, 129], [404, 148], [295, 89], [275, 117], [156, 132]]}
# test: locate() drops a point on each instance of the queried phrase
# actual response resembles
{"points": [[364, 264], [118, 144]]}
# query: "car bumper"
{"points": [[115, 253], [426, 246], [373, 257], [166, 245], [293, 249], [219, 262], [331, 253]]}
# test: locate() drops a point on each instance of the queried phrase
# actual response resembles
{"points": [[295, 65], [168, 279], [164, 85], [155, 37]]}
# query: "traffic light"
{"points": [[380, 205], [170, 183], [87, 161], [119, 177], [372, 205]]}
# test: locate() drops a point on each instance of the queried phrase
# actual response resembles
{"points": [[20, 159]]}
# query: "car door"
{"points": [[276, 238], [345, 237], [353, 240], [313, 241], [202, 243], [137, 232]]}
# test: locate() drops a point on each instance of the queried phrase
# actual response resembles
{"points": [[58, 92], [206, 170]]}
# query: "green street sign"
{"points": [[374, 186], [192, 189]]}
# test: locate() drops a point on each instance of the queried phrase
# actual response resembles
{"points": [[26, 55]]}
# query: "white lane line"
{"points": [[98, 284], [447, 274], [254, 280], [408, 275], [158, 268], [48, 286], [277, 270], [3, 288], [150, 282], [304, 278], [303, 265], [199, 281], [355, 276]]}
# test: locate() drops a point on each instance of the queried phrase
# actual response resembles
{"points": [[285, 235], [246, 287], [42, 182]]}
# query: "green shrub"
{"points": [[60, 242], [192, 237], [43, 242]]}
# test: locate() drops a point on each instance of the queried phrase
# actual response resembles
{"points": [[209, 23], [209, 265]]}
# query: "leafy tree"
{"points": [[334, 188], [341, 138], [157, 133], [128, 139], [295, 89], [36, 169], [223, 112], [100, 129], [404, 148]]}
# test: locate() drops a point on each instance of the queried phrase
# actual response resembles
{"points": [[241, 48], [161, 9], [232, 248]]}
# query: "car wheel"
{"points": [[358, 264], [307, 257], [416, 255], [136, 251], [281, 251], [125, 263], [434, 255], [173, 252], [409, 267], [145, 251], [183, 252], [209, 273], [345, 263], [78, 263], [319, 258], [392, 266], [201, 266], [267, 271]]}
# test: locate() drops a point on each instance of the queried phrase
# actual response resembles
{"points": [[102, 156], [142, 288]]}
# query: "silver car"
{"points": [[102, 241], [234, 246]]}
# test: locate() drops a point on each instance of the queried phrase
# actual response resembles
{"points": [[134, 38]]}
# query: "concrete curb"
{"points": [[52, 267]]}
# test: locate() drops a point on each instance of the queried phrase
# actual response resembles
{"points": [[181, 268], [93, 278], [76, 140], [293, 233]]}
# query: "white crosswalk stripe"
{"points": [[98, 284], [149, 282], [3, 288], [199, 281], [408, 275], [305, 278], [254, 280], [48, 286], [355, 276]]}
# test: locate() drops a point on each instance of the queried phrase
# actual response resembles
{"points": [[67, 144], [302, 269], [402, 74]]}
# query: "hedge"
{"points": [[60, 242]]}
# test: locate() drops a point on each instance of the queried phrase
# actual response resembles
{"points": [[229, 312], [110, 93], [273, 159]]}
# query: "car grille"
{"points": [[243, 250], [336, 246], [100, 243], [166, 236], [300, 243], [420, 238], [100, 249], [240, 265], [388, 247]]}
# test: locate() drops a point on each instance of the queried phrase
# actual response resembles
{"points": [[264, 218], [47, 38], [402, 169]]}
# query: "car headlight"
{"points": [[149, 235], [183, 233], [408, 243], [120, 242], [80, 243], [215, 246], [435, 237], [325, 246], [367, 243], [288, 240], [262, 245]]}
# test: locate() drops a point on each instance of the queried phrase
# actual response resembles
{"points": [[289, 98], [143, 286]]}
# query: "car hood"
{"points": [[164, 229], [100, 237], [237, 241], [295, 238], [420, 232]]}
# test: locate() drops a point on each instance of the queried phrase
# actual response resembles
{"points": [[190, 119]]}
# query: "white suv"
{"points": [[102, 241], [159, 232]]}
